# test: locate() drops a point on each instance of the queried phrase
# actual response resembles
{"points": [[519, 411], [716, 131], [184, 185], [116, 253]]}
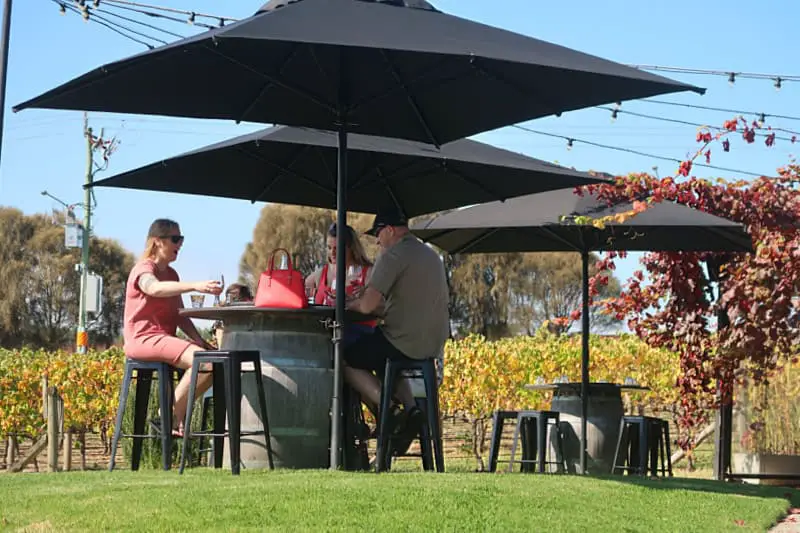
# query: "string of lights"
{"points": [[615, 111], [190, 20], [572, 140], [718, 109], [64, 8], [139, 22], [192, 15], [732, 75]]}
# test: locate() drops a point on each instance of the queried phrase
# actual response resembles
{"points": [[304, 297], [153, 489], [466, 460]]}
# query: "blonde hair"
{"points": [[353, 244], [158, 229]]}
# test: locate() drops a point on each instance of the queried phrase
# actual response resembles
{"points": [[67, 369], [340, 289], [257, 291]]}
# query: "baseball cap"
{"points": [[388, 216]]}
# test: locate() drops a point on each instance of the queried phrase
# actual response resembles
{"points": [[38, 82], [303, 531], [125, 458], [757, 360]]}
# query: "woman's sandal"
{"points": [[155, 424]]}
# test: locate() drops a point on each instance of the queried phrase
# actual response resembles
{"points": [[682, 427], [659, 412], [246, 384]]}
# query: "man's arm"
{"points": [[369, 303]]}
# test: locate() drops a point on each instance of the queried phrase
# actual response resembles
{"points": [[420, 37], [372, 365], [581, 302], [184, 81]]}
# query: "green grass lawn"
{"points": [[204, 500]]}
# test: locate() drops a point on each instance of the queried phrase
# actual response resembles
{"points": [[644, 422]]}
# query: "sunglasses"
{"points": [[176, 239]]}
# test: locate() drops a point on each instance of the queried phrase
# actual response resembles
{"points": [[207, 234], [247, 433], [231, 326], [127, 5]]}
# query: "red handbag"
{"points": [[282, 288]]}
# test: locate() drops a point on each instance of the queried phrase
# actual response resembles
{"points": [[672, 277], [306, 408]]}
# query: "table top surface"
{"points": [[223, 312], [576, 385]]}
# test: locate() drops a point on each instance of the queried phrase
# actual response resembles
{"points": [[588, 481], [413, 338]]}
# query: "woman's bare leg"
{"points": [[182, 390]]}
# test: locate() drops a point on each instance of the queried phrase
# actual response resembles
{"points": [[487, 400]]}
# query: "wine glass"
{"points": [[221, 281], [353, 278]]}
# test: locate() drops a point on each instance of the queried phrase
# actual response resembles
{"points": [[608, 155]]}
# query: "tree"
{"points": [[480, 292], [15, 230], [40, 305], [300, 230], [550, 286], [680, 299]]}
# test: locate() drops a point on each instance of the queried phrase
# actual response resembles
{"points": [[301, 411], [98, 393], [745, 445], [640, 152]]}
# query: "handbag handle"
{"points": [[271, 265]]}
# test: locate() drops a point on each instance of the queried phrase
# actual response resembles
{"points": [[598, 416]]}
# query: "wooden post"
{"points": [[67, 451], [52, 429]]}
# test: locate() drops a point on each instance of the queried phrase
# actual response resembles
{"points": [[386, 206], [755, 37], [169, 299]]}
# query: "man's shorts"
{"points": [[370, 352]]}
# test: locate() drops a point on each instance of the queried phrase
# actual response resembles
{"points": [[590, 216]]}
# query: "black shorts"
{"points": [[370, 352]]}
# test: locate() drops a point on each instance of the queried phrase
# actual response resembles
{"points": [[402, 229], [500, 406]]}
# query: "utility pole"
{"points": [[4, 43], [82, 337]]}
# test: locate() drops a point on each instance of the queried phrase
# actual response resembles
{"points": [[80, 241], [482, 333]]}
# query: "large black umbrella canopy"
{"points": [[546, 223], [392, 68], [380, 67], [292, 165]]}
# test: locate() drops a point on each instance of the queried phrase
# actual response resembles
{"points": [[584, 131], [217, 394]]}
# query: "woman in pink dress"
{"points": [[152, 300]]}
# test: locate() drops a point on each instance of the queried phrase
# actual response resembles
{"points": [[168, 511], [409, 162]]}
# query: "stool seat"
{"points": [[431, 431], [144, 372], [643, 440], [226, 368]]}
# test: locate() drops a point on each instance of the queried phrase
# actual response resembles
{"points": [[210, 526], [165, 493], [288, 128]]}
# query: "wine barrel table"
{"points": [[297, 365], [602, 422]]}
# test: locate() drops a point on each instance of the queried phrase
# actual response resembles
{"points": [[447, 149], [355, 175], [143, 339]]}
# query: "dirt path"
{"points": [[790, 524]]}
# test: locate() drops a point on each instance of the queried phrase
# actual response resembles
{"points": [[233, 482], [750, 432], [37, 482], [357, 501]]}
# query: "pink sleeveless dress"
{"points": [[151, 323]]}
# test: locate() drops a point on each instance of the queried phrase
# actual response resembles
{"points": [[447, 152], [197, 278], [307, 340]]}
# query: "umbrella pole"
{"points": [[341, 273], [584, 356]]}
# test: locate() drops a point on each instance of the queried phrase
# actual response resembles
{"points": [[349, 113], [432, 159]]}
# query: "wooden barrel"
{"points": [[296, 359], [602, 425]]}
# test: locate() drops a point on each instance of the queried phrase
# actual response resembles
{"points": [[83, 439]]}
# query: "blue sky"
{"points": [[45, 149]]}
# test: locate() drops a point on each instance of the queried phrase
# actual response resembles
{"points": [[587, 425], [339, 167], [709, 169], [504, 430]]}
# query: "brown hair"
{"points": [[158, 229], [353, 243]]}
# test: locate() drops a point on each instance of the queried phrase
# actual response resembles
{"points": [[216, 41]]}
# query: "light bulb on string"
{"points": [[731, 78], [614, 113], [221, 22], [762, 118], [62, 9], [569, 144], [778, 82], [96, 4], [191, 18]]}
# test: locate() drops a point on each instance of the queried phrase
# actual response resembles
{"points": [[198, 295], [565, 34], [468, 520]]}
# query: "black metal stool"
{"points": [[531, 428], [431, 431], [144, 376], [498, 421], [643, 440], [226, 367]]}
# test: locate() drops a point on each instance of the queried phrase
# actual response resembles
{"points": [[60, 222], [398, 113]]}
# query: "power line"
{"points": [[572, 140]]}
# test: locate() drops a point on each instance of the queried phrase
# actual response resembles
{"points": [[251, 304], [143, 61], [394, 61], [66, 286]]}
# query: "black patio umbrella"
{"points": [[395, 68], [546, 223], [290, 165]]}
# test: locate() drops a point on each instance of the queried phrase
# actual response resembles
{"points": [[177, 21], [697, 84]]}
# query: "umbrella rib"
{"points": [[392, 195], [474, 182], [411, 100], [283, 169], [324, 162], [561, 239], [472, 242], [391, 175], [301, 92], [269, 84], [374, 97], [525, 91]]}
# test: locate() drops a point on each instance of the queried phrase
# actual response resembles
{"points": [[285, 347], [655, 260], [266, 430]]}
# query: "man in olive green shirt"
{"points": [[408, 288]]}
